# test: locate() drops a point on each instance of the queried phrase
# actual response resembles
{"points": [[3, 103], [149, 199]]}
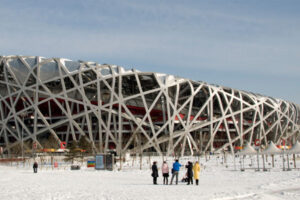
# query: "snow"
{"points": [[271, 149], [218, 181], [247, 150], [295, 148]]}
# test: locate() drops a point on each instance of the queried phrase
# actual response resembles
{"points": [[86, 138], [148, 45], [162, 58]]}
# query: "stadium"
{"points": [[131, 111]]}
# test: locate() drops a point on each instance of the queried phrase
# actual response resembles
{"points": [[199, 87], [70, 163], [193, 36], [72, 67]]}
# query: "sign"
{"points": [[99, 162], [256, 142], [109, 164], [104, 162], [91, 163], [63, 145]]}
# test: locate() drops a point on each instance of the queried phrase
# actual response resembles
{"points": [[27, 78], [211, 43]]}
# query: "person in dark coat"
{"points": [[35, 167], [154, 173], [189, 167]]}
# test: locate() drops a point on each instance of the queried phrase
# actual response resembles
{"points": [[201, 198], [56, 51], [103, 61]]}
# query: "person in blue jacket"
{"points": [[175, 171]]}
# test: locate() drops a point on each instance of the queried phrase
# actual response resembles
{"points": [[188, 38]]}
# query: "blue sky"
{"points": [[249, 45]]}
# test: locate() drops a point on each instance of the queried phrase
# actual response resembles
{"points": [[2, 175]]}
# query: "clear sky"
{"points": [[249, 45]]}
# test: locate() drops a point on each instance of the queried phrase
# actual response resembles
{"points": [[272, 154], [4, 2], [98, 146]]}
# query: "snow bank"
{"points": [[218, 180]]}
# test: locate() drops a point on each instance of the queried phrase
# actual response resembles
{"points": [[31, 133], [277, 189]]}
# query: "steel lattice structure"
{"points": [[129, 110]]}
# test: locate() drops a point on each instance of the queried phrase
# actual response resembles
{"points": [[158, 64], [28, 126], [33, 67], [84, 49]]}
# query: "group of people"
{"points": [[192, 171]]}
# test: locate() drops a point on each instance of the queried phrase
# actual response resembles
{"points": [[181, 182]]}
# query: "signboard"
{"points": [[99, 162], [109, 161], [91, 163], [104, 162]]}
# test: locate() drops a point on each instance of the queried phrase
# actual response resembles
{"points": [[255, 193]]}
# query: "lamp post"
{"points": [[283, 143], [288, 162], [257, 159], [164, 118], [22, 142], [257, 147]]}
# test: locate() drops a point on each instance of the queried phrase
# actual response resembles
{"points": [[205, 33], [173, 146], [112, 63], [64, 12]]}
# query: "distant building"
{"points": [[132, 111]]}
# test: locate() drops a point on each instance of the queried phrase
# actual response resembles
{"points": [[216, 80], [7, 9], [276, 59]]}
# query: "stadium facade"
{"points": [[132, 111]]}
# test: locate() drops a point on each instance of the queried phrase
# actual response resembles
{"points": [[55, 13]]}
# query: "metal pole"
{"points": [[283, 160], [164, 120], [241, 167], [243, 162], [234, 161], [283, 144], [288, 162], [257, 147], [257, 161], [264, 167], [294, 157], [22, 142]]}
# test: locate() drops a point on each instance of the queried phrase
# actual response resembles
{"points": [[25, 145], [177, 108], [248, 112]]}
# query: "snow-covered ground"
{"points": [[218, 180]]}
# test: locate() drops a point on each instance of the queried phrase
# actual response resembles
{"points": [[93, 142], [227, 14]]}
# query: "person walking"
{"points": [[175, 171], [189, 167], [196, 169], [165, 172], [35, 167], [154, 173]]}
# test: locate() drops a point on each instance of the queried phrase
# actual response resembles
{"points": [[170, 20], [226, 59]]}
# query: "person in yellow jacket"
{"points": [[196, 169]]}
